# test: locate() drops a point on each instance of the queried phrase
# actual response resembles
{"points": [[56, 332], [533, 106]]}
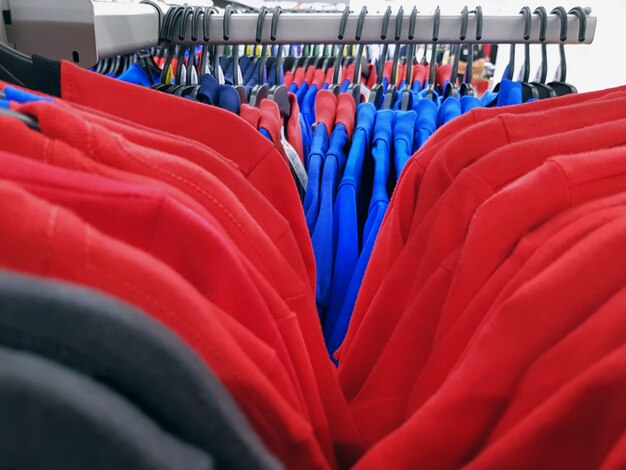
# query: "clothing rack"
{"points": [[83, 31]]}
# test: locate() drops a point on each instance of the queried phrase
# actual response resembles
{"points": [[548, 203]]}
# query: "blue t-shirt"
{"points": [[223, 96], [301, 93], [307, 108], [510, 93], [426, 121], [346, 216], [450, 108], [403, 134], [135, 74], [381, 152], [324, 236], [468, 103], [319, 146]]}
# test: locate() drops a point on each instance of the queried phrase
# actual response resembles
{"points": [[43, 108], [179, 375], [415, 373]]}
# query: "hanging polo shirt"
{"points": [[474, 393], [450, 109], [302, 92], [326, 109], [324, 236], [533, 252], [395, 276], [352, 198], [38, 315], [402, 207], [308, 102], [250, 114], [294, 129], [50, 412], [106, 264], [216, 94], [346, 441], [426, 121], [432, 278], [587, 402], [468, 103], [197, 183], [404, 124], [563, 363], [135, 74], [255, 156], [105, 204], [510, 93]]}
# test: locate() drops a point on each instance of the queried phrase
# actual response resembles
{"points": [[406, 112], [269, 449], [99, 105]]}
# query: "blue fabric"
{"points": [[325, 86], [293, 88], [450, 108], [487, 98], [403, 134], [306, 140], [426, 121], [271, 75], [324, 237], [346, 218], [224, 96], [417, 86], [21, 96], [319, 146], [468, 103], [301, 93], [345, 85], [265, 134], [510, 93], [135, 74], [307, 108], [381, 153], [6, 104]]}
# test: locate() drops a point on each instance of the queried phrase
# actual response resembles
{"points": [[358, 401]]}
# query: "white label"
{"points": [[294, 160]]}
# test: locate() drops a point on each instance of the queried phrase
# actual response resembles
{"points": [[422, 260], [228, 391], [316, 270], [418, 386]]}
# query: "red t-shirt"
{"points": [[473, 392], [532, 254], [221, 130], [347, 443], [48, 240], [580, 426], [387, 296], [425, 316]]}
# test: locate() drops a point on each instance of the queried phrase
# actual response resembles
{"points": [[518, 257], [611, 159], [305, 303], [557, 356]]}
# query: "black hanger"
{"points": [[540, 79], [279, 93], [355, 87], [260, 90], [376, 95], [390, 96], [559, 85], [205, 60], [335, 86], [406, 101], [466, 88], [529, 90], [182, 33], [239, 88], [451, 88], [430, 91], [167, 35]]}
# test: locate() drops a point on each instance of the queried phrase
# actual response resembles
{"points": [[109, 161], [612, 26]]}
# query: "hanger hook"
{"points": [[479, 22], [527, 20], [399, 17], [464, 22], [260, 22], [360, 23], [543, 20], [385, 28], [412, 23], [182, 32], [275, 15], [208, 11], [562, 14], [228, 11], [436, 21], [433, 54], [195, 23], [178, 11], [343, 23], [581, 14]]}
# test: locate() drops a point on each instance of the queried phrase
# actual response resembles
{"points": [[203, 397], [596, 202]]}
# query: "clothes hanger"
{"points": [[406, 100], [430, 91], [466, 88], [451, 88], [390, 96], [355, 87], [167, 35], [239, 88], [335, 86], [558, 84], [279, 93], [260, 90], [529, 90], [180, 66], [377, 94], [540, 79]]}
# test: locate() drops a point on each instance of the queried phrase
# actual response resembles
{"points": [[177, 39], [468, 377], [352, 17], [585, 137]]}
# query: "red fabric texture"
{"points": [[271, 121], [294, 130], [250, 114], [310, 73], [318, 78], [299, 76], [372, 77], [253, 154], [48, 240], [346, 109], [288, 78], [326, 109], [443, 75]]}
